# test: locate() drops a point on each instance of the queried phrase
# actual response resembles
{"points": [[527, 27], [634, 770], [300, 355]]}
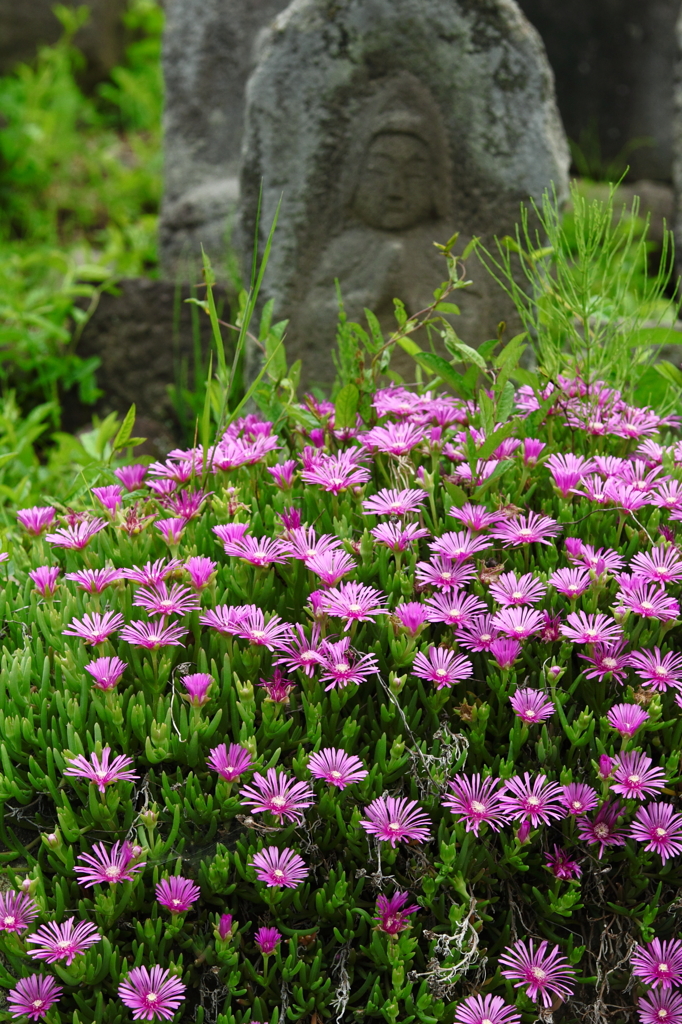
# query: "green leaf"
{"points": [[496, 439], [525, 377], [400, 312], [498, 471], [275, 352], [457, 347], [512, 351], [505, 403], [7, 457], [447, 307], [125, 430], [487, 413], [133, 442], [345, 407], [486, 349], [377, 339], [669, 372]]}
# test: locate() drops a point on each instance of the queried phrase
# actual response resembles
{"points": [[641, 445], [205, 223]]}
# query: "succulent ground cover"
{"points": [[351, 722]]}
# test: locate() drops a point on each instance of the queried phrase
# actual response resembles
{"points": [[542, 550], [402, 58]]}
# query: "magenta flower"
{"points": [[94, 629], [151, 995], [341, 666], [599, 560], [131, 476], [480, 634], [253, 627], [442, 667], [508, 590], [397, 537], [153, 573], [226, 618], [476, 801], [304, 543], [45, 579], [94, 581], [394, 438], [77, 536], [518, 622], [299, 652], [536, 801], [651, 602], [443, 573], [660, 1007], [336, 473], [33, 996], [285, 798], [354, 603], [391, 915], [177, 893], [504, 651], [568, 470], [635, 778], [185, 505], [660, 565], [627, 718], [160, 600], [115, 865], [530, 529], [162, 487], [584, 628], [225, 926], [486, 1010], [230, 762], [278, 688], [656, 670], [35, 520], [561, 865], [454, 608], [578, 798], [603, 828], [475, 517], [660, 828], [606, 766], [201, 571], [571, 582], [62, 941], [17, 911], [230, 532], [106, 672], [283, 474], [394, 819], [336, 767], [459, 546], [279, 868], [259, 552], [543, 973], [153, 635], [267, 940], [531, 705], [659, 963], [110, 498], [171, 530], [330, 565], [197, 685], [411, 615], [608, 661], [100, 772]]}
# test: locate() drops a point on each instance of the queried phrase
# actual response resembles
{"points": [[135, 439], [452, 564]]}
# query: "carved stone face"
{"points": [[395, 189]]}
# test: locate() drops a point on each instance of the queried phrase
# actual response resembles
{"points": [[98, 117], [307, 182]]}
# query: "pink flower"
{"points": [[278, 688], [225, 926], [509, 591], [116, 865], [17, 911], [99, 771], [411, 615], [661, 565], [171, 530], [186, 504], [106, 672], [531, 705], [659, 963], [561, 865], [394, 503], [230, 762], [259, 552], [394, 438], [336, 473], [35, 520], [602, 829], [656, 670], [201, 571], [504, 650], [253, 627], [660, 1007], [95, 581], [599, 560], [479, 635], [267, 940], [627, 718], [45, 579], [397, 537], [336, 767], [131, 477], [111, 497], [354, 603], [459, 546], [584, 628], [62, 941], [538, 800], [229, 533], [197, 685], [153, 573], [608, 661], [280, 868], [283, 474], [606, 766], [542, 973], [571, 582], [299, 652], [330, 566], [635, 778], [518, 623], [443, 573], [475, 517], [531, 450], [660, 828], [393, 820], [578, 798], [76, 537], [342, 666], [488, 1009], [153, 635], [177, 893], [283, 797], [391, 915], [442, 667], [160, 600], [455, 608], [476, 801], [528, 529], [95, 628], [151, 995], [650, 602], [568, 470], [33, 996], [226, 618], [291, 518]]}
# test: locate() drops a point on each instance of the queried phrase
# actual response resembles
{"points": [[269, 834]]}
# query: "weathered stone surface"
{"points": [[27, 24], [387, 125], [141, 336], [614, 63], [208, 53]]}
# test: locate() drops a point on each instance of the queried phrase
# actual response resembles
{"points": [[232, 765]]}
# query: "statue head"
{"points": [[397, 166]]}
